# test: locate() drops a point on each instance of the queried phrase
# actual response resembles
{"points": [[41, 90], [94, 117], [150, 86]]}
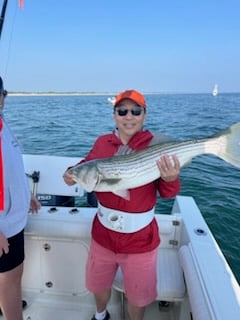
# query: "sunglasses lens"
{"points": [[136, 112], [124, 112], [4, 93]]}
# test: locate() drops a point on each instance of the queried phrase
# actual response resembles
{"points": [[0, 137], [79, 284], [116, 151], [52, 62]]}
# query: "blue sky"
{"points": [[111, 45]]}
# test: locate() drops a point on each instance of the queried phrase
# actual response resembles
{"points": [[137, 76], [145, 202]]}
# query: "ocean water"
{"points": [[68, 126]]}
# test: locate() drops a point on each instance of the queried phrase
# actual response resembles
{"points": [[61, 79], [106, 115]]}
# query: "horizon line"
{"points": [[81, 93]]}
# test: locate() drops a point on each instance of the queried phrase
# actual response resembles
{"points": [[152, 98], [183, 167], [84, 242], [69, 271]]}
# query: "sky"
{"points": [[180, 46]]}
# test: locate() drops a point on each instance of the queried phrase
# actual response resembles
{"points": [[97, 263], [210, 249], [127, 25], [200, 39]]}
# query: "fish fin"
{"points": [[123, 194], [160, 138], [123, 150], [227, 145]]}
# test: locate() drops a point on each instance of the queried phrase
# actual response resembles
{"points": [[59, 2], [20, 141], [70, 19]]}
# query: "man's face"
{"points": [[129, 118]]}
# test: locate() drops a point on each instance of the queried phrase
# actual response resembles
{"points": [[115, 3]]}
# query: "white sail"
{"points": [[215, 90]]}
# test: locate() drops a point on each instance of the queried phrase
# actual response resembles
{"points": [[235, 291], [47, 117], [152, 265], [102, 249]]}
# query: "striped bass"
{"points": [[119, 173]]}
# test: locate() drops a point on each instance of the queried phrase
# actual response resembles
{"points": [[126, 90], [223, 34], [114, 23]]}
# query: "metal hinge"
{"points": [[175, 223], [173, 242]]}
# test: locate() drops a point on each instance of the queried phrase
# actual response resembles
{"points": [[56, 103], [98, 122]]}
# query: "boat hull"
{"points": [[194, 279]]}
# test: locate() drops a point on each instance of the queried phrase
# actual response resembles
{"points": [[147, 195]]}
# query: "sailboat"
{"points": [[215, 90]]}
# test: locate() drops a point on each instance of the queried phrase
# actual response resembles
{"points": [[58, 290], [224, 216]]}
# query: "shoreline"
{"points": [[18, 94], [32, 94]]}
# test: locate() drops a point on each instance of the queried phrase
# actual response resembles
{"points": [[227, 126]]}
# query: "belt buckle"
{"points": [[116, 221]]}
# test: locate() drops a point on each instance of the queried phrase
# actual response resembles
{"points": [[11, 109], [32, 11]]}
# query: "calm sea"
{"points": [[68, 126]]}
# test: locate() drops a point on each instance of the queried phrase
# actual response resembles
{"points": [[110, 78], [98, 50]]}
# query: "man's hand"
{"points": [[169, 167], [4, 245], [68, 179], [35, 205]]}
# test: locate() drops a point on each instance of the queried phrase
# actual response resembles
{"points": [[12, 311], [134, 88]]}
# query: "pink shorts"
{"points": [[139, 273]]}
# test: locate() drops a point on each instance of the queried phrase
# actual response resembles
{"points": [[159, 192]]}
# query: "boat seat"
{"points": [[170, 280]]}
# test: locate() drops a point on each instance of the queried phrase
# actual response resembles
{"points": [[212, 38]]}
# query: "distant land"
{"points": [[89, 93], [60, 93]]}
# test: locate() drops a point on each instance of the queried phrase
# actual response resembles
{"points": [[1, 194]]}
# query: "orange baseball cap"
{"points": [[132, 95]]}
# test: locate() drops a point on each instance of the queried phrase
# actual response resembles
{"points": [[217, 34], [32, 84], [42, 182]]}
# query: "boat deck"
{"points": [[51, 307], [53, 292]]}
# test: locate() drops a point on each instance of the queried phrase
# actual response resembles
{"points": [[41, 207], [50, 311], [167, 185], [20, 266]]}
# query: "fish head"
{"points": [[86, 174]]}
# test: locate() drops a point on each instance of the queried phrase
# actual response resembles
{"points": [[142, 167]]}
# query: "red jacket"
{"points": [[141, 199]]}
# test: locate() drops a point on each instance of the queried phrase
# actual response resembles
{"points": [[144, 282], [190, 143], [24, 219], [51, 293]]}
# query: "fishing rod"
{"points": [[4, 7]]}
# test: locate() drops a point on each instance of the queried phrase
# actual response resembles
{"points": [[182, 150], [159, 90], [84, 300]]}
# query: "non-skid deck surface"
{"points": [[51, 308], [58, 312]]}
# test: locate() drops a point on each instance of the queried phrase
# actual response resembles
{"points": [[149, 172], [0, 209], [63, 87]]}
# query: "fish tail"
{"points": [[226, 145]]}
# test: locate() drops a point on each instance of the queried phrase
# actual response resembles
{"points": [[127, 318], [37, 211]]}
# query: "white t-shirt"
{"points": [[16, 188]]}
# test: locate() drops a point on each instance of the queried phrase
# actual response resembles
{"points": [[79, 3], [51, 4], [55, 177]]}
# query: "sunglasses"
{"points": [[124, 112], [4, 93]]}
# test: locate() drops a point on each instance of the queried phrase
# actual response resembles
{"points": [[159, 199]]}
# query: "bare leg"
{"points": [[11, 293], [102, 300], [135, 313]]}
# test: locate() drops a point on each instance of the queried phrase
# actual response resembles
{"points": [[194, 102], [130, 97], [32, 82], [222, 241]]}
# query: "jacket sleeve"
{"points": [[169, 189]]}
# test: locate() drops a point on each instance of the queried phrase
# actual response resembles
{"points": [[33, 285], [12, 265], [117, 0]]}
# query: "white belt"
{"points": [[124, 222]]}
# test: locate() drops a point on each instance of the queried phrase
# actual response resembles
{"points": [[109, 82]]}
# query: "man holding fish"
{"points": [[124, 232]]}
